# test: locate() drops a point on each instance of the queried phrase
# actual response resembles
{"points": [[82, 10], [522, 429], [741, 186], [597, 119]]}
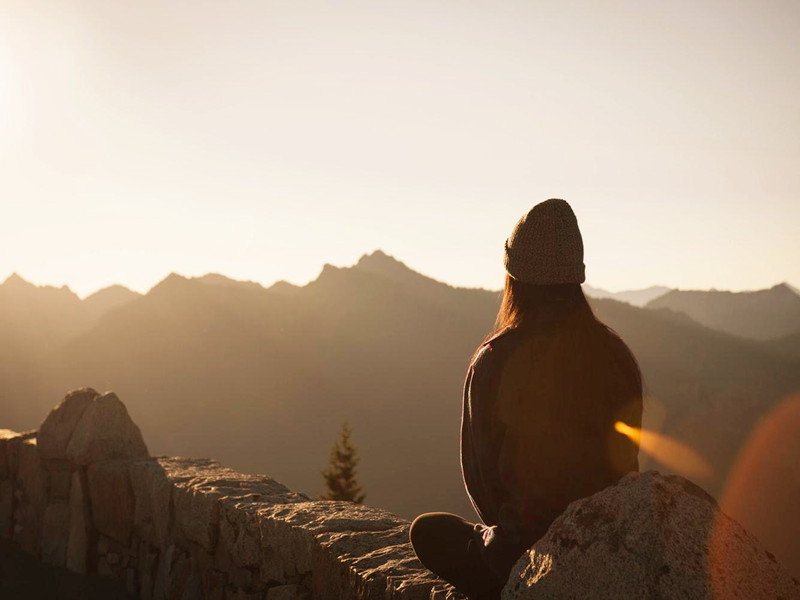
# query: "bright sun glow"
{"points": [[669, 452]]}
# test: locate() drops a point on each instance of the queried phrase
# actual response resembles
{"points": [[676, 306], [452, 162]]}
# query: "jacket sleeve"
{"points": [[480, 437]]}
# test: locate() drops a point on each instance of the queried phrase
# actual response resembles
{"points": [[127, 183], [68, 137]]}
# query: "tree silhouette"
{"points": [[340, 477]]}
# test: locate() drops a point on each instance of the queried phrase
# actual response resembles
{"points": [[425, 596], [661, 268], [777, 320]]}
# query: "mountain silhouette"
{"points": [[261, 378], [634, 297], [760, 315], [103, 301]]}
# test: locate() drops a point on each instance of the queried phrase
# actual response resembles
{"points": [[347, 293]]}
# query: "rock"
{"points": [[6, 435], [57, 429], [244, 494], [346, 549], [650, 536], [32, 476], [197, 514], [239, 532], [377, 564], [152, 490], [286, 592], [162, 583], [77, 544], [32, 494], [105, 431], [6, 508], [55, 534], [112, 500], [200, 486], [10, 444], [60, 476], [147, 565]]}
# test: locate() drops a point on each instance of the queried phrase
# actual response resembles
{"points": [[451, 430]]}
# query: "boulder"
{"points": [[6, 508], [348, 550], [6, 435], [57, 429], [32, 475], [649, 536], [31, 493], [78, 540], [112, 499], [55, 534], [105, 431], [152, 491]]}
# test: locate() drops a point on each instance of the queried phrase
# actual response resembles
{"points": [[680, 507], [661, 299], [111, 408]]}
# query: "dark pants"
{"points": [[450, 547]]}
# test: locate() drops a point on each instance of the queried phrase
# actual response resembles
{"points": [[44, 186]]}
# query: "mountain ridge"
{"points": [[261, 378], [381, 262], [760, 314]]}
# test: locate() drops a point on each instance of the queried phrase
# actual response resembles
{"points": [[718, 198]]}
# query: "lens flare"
{"points": [[677, 457], [763, 489]]}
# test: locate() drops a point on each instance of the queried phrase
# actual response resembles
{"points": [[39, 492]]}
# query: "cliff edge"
{"points": [[83, 492]]}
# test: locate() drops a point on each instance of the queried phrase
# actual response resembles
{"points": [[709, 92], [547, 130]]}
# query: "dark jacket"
{"points": [[531, 443]]}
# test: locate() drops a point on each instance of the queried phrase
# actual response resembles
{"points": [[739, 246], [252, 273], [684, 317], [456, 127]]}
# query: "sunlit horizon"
{"points": [[84, 292], [263, 140]]}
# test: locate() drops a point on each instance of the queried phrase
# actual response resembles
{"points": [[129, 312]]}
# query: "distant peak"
{"points": [[783, 287], [380, 262], [170, 281], [115, 290], [378, 256], [15, 280], [115, 287], [216, 279], [222, 280], [175, 277], [17, 284], [283, 287]]}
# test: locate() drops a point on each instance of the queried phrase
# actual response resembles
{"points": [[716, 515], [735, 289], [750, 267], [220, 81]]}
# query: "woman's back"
{"points": [[541, 399], [540, 406]]}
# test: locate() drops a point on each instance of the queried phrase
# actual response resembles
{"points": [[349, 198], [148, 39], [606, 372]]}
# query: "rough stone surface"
{"points": [[105, 431], [112, 499], [152, 489], [650, 536], [6, 508], [32, 497], [201, 486], [6, 435], [350, 551], [94, 501], [32, 476], [59, 478], [55, 534], [57, 429], [77, 543], [287, 592], [12, 445]]}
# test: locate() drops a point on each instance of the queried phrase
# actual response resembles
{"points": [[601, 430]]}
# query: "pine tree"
{"points": [[340, 477]]}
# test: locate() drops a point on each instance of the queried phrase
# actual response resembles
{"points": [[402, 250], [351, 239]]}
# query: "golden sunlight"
{"points": [[669, 452], [763, 487]]}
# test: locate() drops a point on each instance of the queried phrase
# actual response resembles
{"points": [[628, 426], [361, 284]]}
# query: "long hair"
{"points": [[568, 351], [525, 303]]}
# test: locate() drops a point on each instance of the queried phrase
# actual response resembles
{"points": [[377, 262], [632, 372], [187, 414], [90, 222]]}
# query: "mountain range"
{"points": [[634, 297], [762, 315], [261, 378]]}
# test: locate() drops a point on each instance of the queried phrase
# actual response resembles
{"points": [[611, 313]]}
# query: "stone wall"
{"points": [[82, 492]]}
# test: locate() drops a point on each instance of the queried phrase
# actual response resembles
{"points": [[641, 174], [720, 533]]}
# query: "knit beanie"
{"points": [[546, 247]]}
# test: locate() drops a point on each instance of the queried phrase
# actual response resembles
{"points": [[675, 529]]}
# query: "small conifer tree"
{"points": [[340, 477]]}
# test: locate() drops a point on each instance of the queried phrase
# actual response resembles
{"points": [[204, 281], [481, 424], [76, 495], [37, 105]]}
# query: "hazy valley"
{"points": [[261, 378]]}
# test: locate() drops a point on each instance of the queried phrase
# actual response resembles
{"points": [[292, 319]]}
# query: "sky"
{"points": [[263, 139]]}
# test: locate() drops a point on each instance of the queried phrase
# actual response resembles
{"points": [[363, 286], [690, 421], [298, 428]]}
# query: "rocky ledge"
{"points": [[83, 492]]}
